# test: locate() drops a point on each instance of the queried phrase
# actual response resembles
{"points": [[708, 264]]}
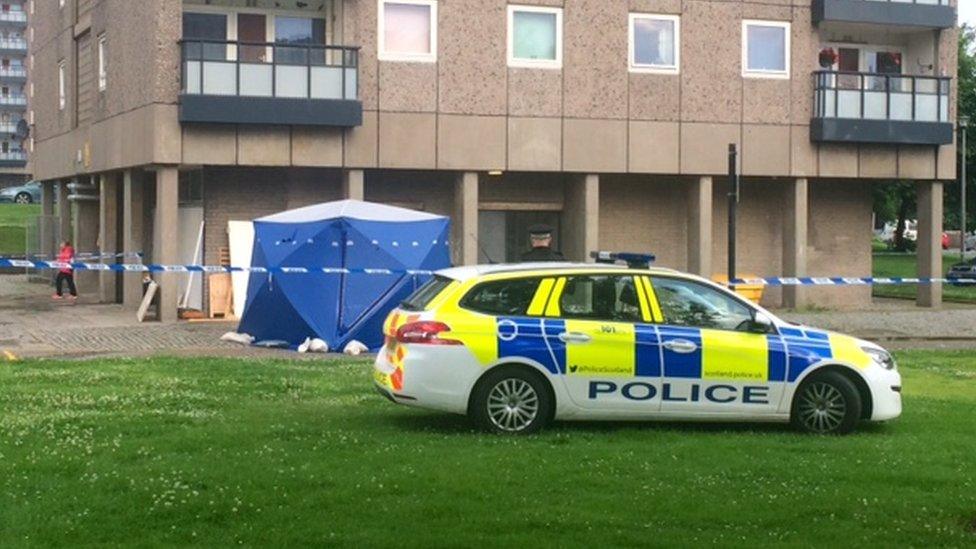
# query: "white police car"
{"points": [[516, 346]]}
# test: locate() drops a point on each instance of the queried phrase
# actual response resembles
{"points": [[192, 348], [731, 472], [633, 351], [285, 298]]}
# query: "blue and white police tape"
{"points": [[155, 268], [846, 281]]}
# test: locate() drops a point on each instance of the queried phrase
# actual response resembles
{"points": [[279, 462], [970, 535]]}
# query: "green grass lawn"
{"points": [[905, 265], [13, 226], [218, 452]]}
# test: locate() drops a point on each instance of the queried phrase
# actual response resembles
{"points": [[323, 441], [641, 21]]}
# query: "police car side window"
{"points": [[600, 297], [686, 303], [501, 297]]}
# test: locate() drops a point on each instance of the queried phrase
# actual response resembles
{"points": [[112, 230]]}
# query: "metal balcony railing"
{"points": [[13, 72], [874, 96], [269, 70], [13, 44], [13, 16], [13, 99]]}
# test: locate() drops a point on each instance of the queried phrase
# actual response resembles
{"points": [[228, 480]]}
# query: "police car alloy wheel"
{"points": [[511, 400], [23, 198], [827, 403]]}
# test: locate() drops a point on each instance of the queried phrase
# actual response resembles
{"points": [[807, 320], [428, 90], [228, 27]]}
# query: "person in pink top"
{"points": [[66, 255]]}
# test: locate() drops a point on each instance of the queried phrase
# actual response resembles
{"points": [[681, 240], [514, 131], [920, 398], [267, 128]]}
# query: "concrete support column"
{"points": [[354, 185], [84, 221], [929, 242], [581, 219], [64, 213], [465, 219], [700, 227], [795, 218], [132, 231], [48, 246], [107, 234], [166, 240]]}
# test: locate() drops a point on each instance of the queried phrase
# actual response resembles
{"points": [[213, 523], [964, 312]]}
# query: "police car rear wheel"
{"points": [[827, 403], [511, 400]]}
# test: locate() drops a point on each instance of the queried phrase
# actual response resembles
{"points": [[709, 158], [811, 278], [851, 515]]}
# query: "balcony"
{"points": [[268, 83], [8, 128], [17, 17], [861, 107], [13, 45], [13, 74], [14, 99], [13, 159], [927, 14]]}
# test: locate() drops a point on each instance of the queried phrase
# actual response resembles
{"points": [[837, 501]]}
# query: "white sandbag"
{"points": [[234, 337], [303, 348], [354, 348], [318, 346]]}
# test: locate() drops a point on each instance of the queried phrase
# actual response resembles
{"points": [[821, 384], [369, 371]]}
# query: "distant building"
{"points": [[609, 120], [13, 91]]}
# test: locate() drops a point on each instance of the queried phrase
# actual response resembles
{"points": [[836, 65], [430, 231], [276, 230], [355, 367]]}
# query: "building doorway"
{"points": [[503, 235]]}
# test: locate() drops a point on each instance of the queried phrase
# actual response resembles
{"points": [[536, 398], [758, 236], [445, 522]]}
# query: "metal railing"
{"points": [[13, 99], [267, 69], [876, 96], [14, 16], [16, 72], [13, 44]]}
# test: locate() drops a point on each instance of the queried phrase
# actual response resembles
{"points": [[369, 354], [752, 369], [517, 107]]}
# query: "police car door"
{"points": [[714, 362], [606, 318]]}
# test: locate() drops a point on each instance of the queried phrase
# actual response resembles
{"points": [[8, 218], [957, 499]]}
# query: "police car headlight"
{"points": [[880, 357]]}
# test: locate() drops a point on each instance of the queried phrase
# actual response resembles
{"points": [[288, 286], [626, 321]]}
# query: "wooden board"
{"points": [[147, 300], [221, 297]]}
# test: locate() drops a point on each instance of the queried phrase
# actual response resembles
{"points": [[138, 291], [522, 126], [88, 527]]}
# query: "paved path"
{"points": [[32, 325]]}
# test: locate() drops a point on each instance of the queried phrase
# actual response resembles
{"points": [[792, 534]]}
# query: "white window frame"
{"points": [[749, 73], [535, 63], [102, 72], [62, 97], [384, 55], [633, 65]]}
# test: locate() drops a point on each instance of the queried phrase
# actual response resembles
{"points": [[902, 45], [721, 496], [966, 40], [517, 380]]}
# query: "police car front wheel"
{"points": [[827, 403], [511, 400]]}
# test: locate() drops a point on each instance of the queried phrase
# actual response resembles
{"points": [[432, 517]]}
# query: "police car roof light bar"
{"points": [[633, 260]]}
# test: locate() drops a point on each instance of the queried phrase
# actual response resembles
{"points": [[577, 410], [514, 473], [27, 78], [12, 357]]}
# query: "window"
{"points": [[299, 31], [426, 293], [408, 30], [765, 49], [686, 303], [205, 27], [102, 75], [600, 297], [62, 100], [535, 37], [502, 297], [654, 43]]}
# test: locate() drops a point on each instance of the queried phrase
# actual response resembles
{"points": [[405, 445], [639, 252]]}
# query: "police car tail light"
{"points": [[427, 332]]}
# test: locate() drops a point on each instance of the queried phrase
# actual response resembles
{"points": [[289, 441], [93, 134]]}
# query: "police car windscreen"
{"points": [[425, 294]]}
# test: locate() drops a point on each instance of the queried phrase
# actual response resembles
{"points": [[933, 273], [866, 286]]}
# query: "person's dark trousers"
{"points": [[70, 279]]}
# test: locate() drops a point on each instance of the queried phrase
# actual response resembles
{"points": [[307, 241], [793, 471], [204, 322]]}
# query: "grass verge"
{"points": [[215, 452], [905, 265], [13, 226]]}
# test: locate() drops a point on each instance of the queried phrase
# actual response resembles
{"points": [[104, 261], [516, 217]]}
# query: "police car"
{"points": [[517, 346]]}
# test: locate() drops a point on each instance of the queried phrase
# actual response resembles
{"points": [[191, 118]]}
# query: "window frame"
{"points": [[102, 65], [758, 73], [401, 57], [552, 64], [62, 85], [632, 64]]}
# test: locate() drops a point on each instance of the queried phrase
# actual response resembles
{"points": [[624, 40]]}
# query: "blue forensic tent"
{"points": [[347, 234]]}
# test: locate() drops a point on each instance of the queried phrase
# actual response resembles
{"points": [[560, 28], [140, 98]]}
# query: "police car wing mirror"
{"points": [[761, 323]]}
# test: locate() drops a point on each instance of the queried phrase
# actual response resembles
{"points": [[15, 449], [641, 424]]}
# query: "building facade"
{"points": [[13, 92], [610, 120]]}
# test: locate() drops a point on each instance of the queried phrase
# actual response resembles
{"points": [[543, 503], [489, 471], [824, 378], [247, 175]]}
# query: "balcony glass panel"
{"points": [[256, 80], [875, 96]]}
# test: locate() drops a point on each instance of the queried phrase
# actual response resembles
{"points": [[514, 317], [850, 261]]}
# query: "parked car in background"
{"points": [[965, 270], [27, 193]]}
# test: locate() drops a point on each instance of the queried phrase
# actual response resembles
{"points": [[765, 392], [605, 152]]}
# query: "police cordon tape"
{"points": [[157, 268]]}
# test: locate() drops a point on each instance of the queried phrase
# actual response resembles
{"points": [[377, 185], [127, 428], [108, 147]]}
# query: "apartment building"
{"points": [[610, 120], [13, 92]]}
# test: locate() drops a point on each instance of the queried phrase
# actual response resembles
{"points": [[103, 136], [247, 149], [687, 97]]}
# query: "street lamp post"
{"points": [[963, 124]]}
